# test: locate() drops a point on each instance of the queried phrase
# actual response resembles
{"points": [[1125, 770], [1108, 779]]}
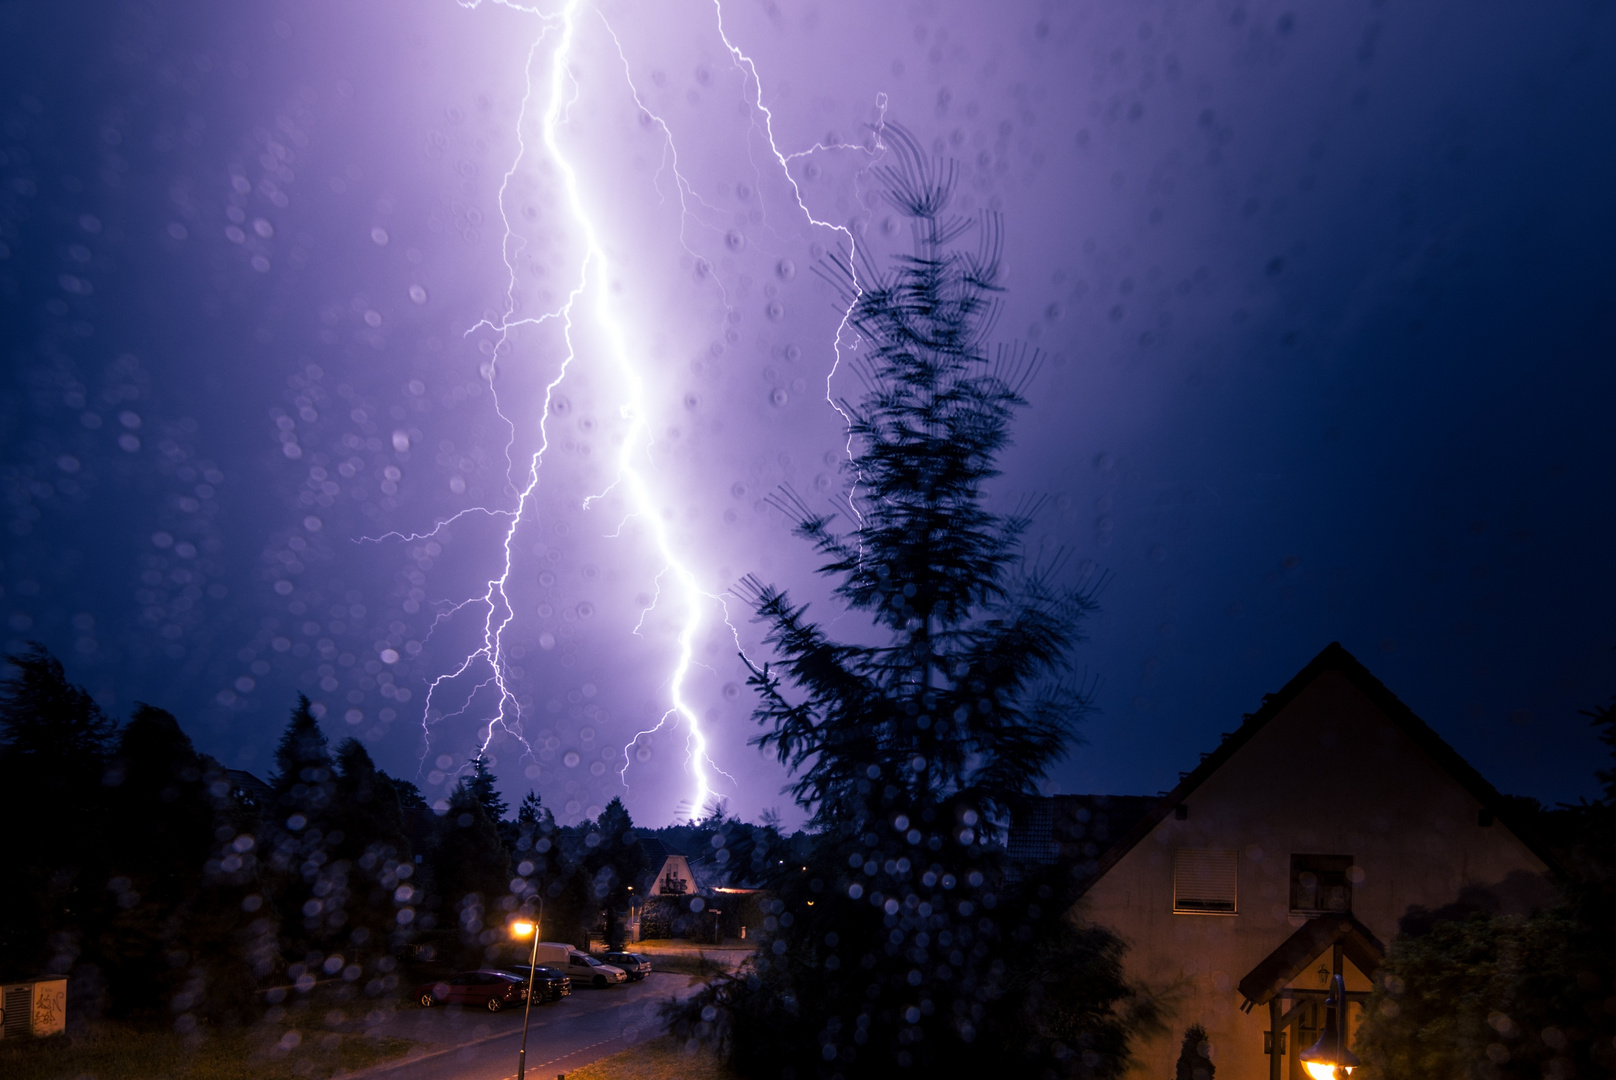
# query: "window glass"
{"points": [[1321, 883]]}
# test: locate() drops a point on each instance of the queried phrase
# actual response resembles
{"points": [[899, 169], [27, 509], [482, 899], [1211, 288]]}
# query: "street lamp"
{"points": [[1329, 1058], [521, 928]]}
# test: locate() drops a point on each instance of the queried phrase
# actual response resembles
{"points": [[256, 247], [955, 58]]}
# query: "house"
{"points": [[670, 872], [1289, 854], [692, 896]]}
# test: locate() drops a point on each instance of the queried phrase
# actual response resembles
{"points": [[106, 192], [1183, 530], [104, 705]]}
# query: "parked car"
{"points": [[584, 969], [552, 985], [635, 965], [491, 989]]}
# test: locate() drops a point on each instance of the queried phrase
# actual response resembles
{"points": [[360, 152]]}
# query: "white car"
{"points": [[583, 969]]}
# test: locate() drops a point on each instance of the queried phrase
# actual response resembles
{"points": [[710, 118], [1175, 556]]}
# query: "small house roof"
{"points": [[1298, 951]]}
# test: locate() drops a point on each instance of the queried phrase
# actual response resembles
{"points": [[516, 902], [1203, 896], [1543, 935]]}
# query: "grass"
{"points": [[659, 1059], [688, 964], [109, 1050]]}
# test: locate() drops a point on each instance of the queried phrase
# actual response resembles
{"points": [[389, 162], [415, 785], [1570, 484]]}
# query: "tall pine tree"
{"points": [[307, 886], [904, 947], [613, 860]]}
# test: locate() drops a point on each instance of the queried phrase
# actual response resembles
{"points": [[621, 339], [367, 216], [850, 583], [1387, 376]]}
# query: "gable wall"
{"points": [[1330, 774]]}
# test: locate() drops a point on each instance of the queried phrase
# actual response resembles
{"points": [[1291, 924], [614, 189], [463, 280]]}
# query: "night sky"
{"points": [[1324, 292]]}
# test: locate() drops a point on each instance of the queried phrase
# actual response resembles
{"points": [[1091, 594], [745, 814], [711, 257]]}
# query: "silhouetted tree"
{"points": [[613, 860], [471, 872], [309, 887], [180, 941], [370, 823], [485, 786], [904, 945], [53, 745], [1194, 1056], [550, 870]]}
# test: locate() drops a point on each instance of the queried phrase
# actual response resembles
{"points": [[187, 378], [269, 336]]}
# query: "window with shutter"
{"points": [[1204, 882]]}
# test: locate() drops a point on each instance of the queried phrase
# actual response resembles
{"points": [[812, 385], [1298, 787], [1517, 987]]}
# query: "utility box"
{"points": [[33, 1008]]}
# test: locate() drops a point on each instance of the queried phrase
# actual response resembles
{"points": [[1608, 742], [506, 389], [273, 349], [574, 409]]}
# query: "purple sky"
{"points": [[1323, 292]]}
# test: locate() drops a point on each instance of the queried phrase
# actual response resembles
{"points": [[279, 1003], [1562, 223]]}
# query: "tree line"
{"points": [[162, 883]]}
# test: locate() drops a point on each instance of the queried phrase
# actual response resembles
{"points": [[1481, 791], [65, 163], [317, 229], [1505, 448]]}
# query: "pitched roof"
{"points": [[1337, 659], [1311, 938], [656, 851]]}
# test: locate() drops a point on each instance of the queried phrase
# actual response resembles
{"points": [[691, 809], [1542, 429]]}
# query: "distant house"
{"points": [[1289, 854], [670, 871], [248, 789], [685, 896]]}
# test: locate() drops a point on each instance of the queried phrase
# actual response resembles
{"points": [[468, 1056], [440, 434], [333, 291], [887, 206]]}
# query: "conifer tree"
{"points": [[471, 872], [370, 822], [180, 941], [612, 862], [54, 741], [484, 786], [309, 887], [903, 947]]}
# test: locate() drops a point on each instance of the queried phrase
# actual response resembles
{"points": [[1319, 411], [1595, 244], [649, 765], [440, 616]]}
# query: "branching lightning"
{"points": [[590, 299]]}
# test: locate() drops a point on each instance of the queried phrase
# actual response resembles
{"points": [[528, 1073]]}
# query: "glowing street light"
{"points": [[1329, 1058], [521, 928]]}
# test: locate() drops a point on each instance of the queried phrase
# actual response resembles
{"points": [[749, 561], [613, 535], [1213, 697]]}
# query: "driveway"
{"points": [[464, 1043]]}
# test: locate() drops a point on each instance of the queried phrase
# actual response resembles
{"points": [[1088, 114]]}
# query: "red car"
{"points": [[491, 989]]}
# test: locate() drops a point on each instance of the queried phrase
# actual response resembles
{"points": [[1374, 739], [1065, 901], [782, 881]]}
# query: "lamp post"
{"points": [[520, 929], [1329, 1058]]}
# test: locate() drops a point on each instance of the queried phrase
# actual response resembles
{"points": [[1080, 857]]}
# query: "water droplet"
{"points": [[775, 311], [779, 396], [418, 294], [732, 691], [571, 759], [378, 236], [786, 269], [734, 240]]}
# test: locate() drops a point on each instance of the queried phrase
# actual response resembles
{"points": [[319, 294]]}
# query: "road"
{"points": [[462, 1043]]}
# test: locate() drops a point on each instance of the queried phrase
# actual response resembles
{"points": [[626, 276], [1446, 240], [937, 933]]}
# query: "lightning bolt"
{"points": [[590, 299]]}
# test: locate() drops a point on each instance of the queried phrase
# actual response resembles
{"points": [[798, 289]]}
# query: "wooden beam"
{"points": [[1276, 1028]]}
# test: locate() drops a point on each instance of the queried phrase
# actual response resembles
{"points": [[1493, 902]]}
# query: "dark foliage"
{"points": [[180, 937], [132, 879], [906, 945], [53, 745], [1466, 992], [1194, 1056], [471, 876], [613, 860]]}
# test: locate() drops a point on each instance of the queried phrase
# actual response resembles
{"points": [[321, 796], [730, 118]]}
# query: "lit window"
{"points": [[1204, 882]]}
